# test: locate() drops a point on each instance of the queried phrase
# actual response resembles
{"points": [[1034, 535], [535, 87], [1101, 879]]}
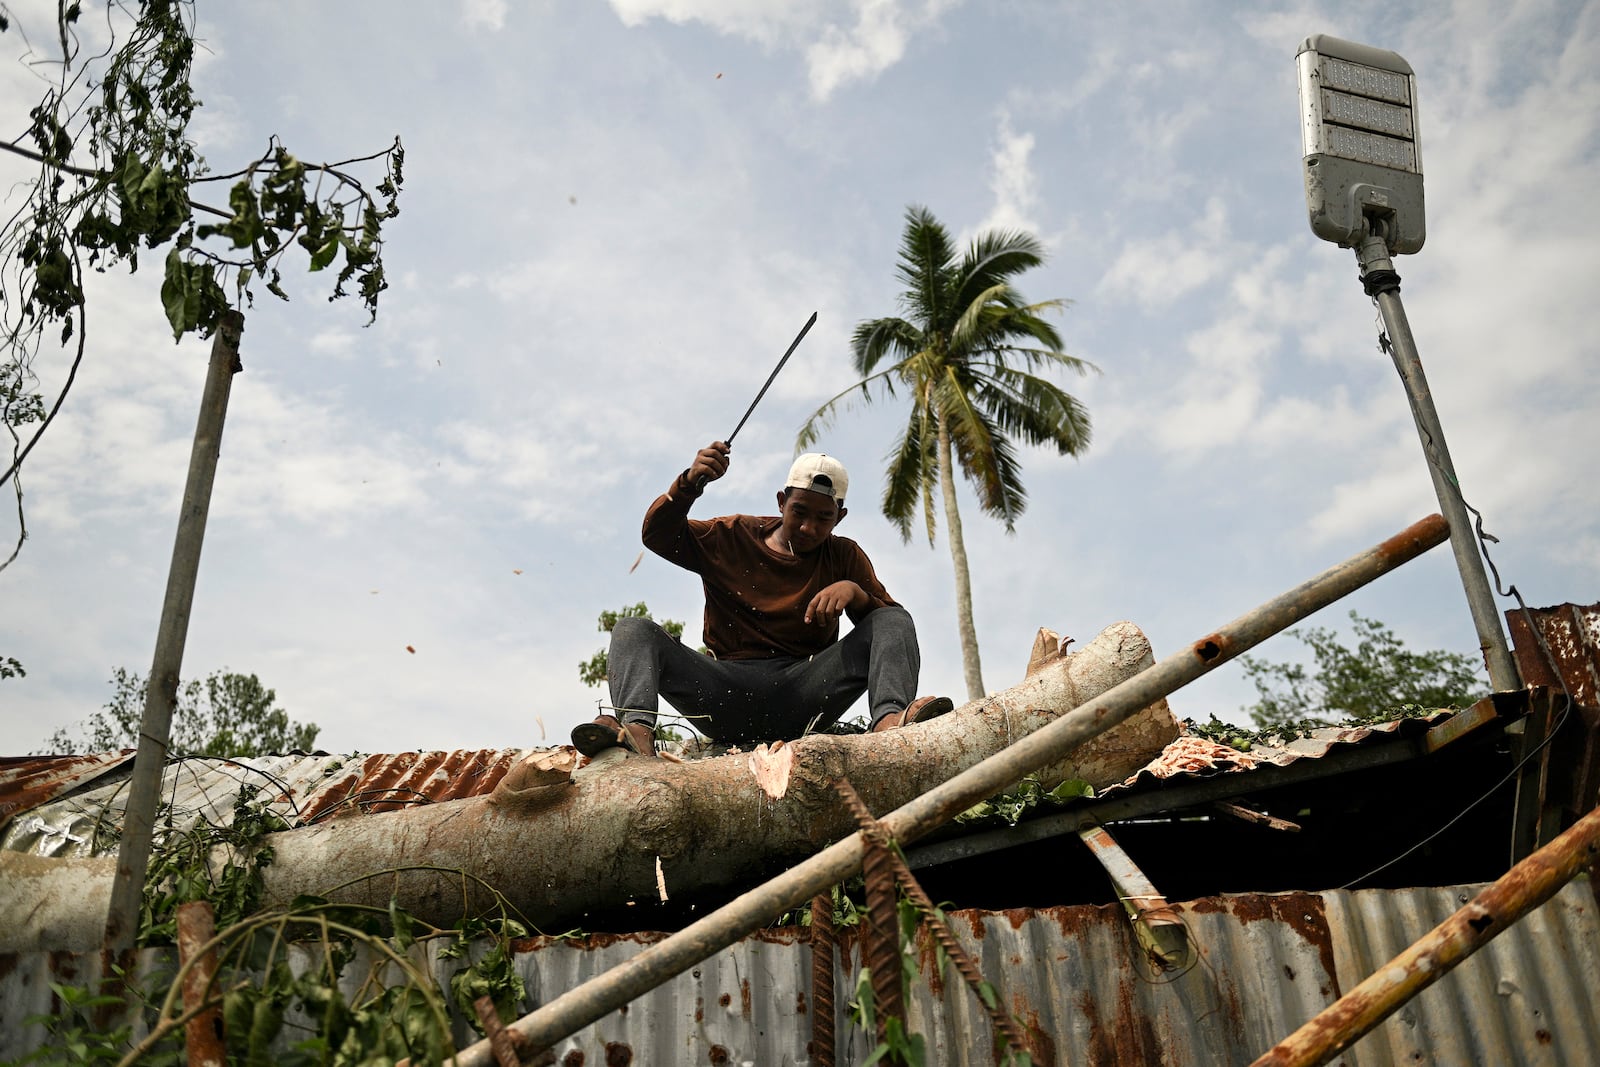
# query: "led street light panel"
{"points": [[1359, 138]]}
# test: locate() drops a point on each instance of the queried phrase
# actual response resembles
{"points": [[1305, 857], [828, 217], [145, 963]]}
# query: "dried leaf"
{"points": [[411, 650], [636, 561], [516, 570], [661, 880]]}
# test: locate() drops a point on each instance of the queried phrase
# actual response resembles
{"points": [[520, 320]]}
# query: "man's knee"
{"points": [[891, 621], [636, 632]]}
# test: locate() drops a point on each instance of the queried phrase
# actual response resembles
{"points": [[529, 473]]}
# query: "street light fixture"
{"points": [[1363, 175], [1359, 137]]}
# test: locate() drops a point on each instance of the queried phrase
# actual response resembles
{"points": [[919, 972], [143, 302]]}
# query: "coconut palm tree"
{"points": [[963, 350]]}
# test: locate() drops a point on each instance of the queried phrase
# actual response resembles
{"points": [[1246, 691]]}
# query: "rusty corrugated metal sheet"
{"points": [[1190, 756], [1074, 976], [308, 788], [387, 783], [299, 788], [29, 781], [1572, 634]]}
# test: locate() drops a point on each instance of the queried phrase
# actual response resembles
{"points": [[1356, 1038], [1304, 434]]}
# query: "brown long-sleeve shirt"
{"points": [[755, 597]]}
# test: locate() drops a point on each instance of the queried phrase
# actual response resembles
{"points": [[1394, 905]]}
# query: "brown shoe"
{"points": [[592, 738], [921, 710]]}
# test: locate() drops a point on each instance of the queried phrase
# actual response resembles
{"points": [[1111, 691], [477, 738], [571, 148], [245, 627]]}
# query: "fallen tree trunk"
{"points": [[559, 846]]}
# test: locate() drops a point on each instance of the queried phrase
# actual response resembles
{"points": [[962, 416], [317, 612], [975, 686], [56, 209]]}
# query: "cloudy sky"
{"points": [[616, 216]]}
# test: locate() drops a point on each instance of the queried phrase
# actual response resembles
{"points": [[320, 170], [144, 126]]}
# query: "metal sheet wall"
{"points": [[1265, 964]]}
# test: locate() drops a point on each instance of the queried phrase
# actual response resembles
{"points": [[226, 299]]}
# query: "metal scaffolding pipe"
{"points": [[605, 993], [1488, 915]]}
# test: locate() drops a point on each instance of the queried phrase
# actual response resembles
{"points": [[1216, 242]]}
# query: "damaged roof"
{"points": [[54, 805]]}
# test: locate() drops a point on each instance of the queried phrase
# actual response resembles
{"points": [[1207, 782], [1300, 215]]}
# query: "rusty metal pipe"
{"points": [[1489, 914], [605, 993], [202, 1035]]}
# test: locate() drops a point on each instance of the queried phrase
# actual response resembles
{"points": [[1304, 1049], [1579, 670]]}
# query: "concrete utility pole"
{"points": [[122, 920]]}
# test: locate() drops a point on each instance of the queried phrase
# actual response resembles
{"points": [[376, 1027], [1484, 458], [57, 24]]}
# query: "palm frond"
{"points": [[823, 417], [998, 326], [984, 454], [1036, 410], [873, 340], [973, 322], [1034, 358], [926, 262], [996, 256], [910, 467]]}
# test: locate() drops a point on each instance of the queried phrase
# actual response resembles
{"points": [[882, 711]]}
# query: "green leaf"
{"points": [[1071, 789], [177, 295], [266, 1019], [325, 255], [401, 920]]}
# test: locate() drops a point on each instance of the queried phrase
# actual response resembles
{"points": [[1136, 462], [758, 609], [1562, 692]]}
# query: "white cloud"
{"points": [[484, 14], [1158, 270], [843, 41], [1011, 178], [764, 23], [872, 45]]}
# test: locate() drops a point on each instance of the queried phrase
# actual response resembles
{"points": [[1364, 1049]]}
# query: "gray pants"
{"points": [[765, 699]]}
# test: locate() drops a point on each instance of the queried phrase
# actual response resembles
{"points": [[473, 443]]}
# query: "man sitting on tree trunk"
{"points": [[775, 587]]}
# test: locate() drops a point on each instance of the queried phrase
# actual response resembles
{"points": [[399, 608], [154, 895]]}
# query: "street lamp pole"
{"points": [[1381, 282], [1363, 179]]}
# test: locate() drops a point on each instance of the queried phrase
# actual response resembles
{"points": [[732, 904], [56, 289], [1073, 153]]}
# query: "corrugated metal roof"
{"points": [[299, 788], [1266, 963], [1192, 756], [308, 788], [28, 781]]}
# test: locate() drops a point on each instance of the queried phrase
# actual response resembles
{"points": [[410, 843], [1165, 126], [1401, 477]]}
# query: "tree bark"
{"points": [[560, 846], [971, 668]]}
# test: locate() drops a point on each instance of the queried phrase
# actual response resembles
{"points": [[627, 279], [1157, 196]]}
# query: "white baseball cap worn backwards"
{"points": [[819, 473]]}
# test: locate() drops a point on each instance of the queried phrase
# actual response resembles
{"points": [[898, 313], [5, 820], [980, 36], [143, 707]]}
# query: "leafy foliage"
{"points": [[180, 871], [1378, 679], [898, 1045], [74, 1034], [10, 668], [289, 983], [226, 714], [592, 672], [1009, 807], [118, 172]]}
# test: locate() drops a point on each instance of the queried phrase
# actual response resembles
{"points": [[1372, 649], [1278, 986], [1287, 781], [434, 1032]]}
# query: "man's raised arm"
{"points": [[666, 524]]}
